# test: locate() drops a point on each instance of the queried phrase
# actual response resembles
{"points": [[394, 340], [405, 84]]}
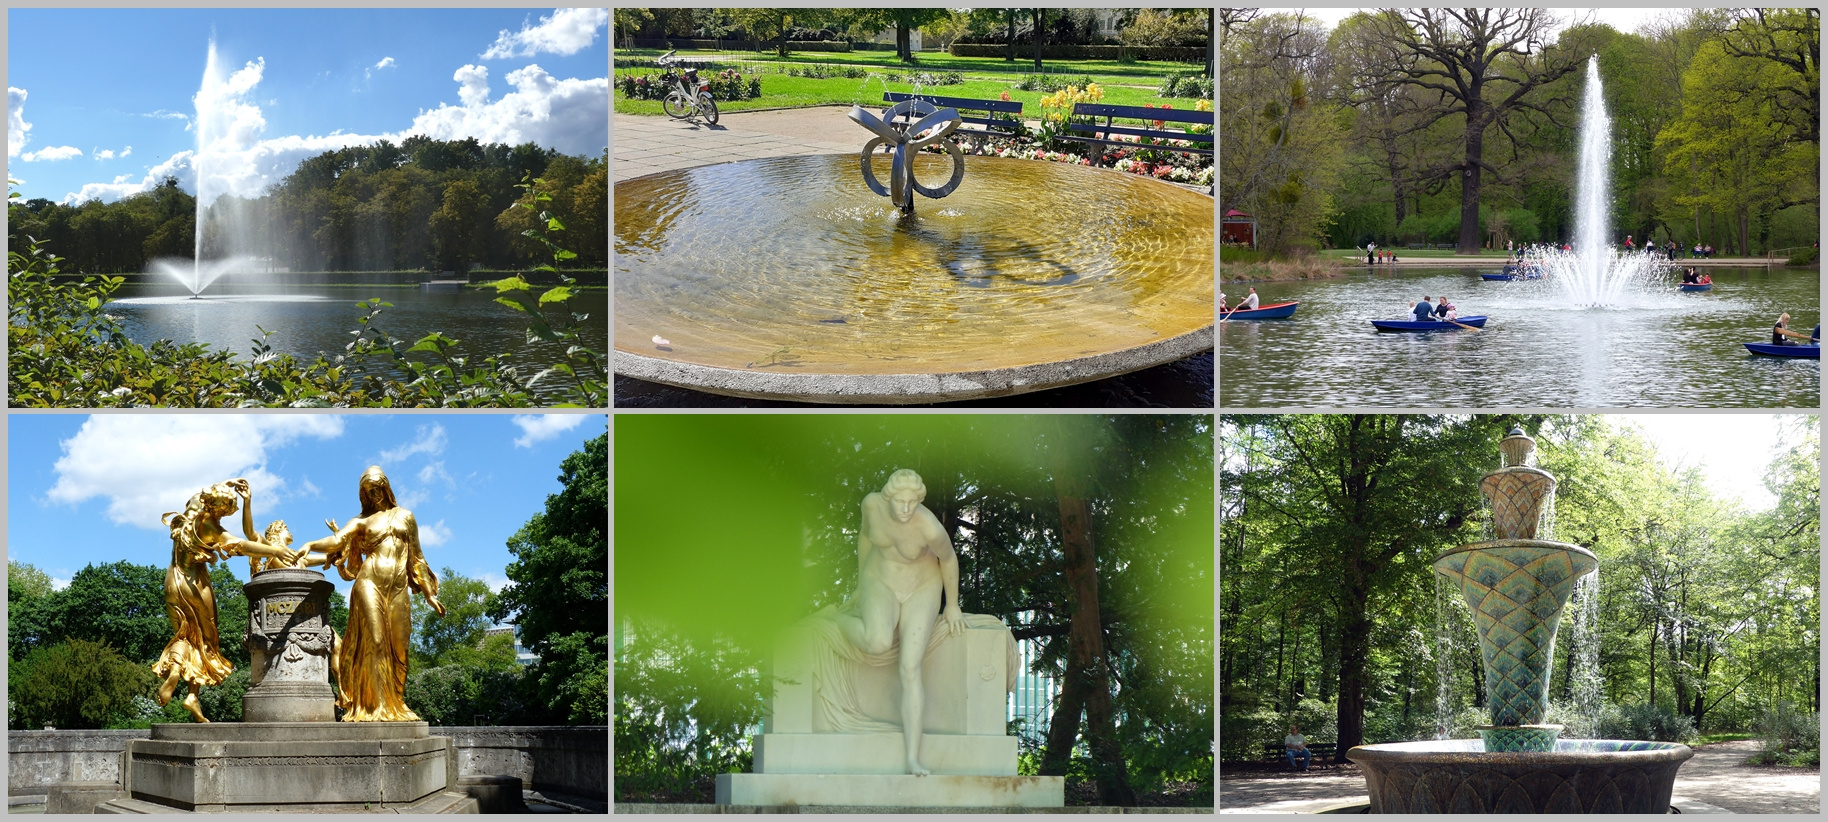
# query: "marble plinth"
{"points": [[883, 754], [876, 790], [965, 679]]}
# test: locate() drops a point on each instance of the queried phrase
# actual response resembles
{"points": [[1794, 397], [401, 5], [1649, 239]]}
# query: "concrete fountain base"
{"points": [[1579, 776], [911, 388]]}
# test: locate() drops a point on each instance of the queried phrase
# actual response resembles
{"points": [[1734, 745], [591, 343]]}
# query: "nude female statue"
{"points": [[903, 559]]}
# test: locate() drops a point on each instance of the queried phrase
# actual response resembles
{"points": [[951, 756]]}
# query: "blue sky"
{"points": [[88, 489], [100, 101]]}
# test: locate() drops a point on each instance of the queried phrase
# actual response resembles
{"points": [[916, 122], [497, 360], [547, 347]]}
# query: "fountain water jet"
{"points": [[1594, 274], [1517, 584], [215, 117]]}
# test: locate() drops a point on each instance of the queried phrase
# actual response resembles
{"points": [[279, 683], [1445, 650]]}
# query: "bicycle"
{"points": [[689, 95]]}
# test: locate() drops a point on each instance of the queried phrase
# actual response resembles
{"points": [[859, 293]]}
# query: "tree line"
{"points": [[81, 656], [422, 204], [1706, 617], [1461, 126], [1089, 535]]}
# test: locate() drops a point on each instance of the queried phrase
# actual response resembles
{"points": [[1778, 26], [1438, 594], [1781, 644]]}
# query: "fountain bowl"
{"points": [[1579, 776], [787, 278]]}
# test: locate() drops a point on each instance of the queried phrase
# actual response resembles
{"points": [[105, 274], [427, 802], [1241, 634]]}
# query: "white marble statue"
{"points": [[903, 559]]}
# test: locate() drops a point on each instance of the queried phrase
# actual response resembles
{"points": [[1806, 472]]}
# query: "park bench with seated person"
{"points": [[1322, 752], [1108, 133], [1001, 117]]}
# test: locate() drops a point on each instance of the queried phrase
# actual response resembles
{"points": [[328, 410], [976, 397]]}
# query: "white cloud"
{"points": [[386, 62], [436, 534], [60, 583], [542, 427], [52, 154], [307, 488], [568, 115], [430, 439], [434, 472], [109, 154], [162, 114], [125, 152], [566, 31], [495, 581], [145, 465], [16, 126]]}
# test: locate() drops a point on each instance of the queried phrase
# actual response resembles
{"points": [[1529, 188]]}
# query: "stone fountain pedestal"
{"points": [[290, 755], [800, 760]]}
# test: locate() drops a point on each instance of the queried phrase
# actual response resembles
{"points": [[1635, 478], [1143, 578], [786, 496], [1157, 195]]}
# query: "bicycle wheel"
{"points": [[676, 105], [708, 108]]}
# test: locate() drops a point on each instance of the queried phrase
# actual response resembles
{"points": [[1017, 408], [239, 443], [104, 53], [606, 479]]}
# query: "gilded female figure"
{"points": [[194, 654], [379, 552]]}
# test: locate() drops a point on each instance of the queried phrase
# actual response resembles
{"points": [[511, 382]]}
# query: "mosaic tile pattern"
{"points": [[1517, 589], [1516, 495], [1538, 739]]}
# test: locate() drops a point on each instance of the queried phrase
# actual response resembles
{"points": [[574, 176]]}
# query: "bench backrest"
{"points": [[1108, 129], [964, 104]]}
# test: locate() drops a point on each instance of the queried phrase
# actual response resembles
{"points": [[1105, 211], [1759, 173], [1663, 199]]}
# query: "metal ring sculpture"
{"points": [[905, 140]]}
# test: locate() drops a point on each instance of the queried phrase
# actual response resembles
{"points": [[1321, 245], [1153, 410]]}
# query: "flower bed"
{"points": [[728, 84]]}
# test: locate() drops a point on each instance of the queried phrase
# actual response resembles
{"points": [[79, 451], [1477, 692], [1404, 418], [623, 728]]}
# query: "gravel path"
{"points": [[1717, 775]]}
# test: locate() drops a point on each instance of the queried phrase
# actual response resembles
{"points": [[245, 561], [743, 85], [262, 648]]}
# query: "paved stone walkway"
{"points": [[1716, 776], [648, 145]]}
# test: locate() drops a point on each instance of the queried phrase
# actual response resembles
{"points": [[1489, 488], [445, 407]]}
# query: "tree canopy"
{"points": [[1460, 126], [437, 205]]}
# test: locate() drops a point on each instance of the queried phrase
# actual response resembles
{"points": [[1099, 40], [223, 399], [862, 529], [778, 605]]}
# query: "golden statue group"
{"points": [[378, 552]]}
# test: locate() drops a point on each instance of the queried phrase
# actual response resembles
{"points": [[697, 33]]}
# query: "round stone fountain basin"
{"points": [[786, 278], [1579, 776]]}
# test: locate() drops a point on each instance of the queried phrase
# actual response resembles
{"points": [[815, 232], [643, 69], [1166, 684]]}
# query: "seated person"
{"points": [[1249, 303], [1688, 275], [1782, 330], [1295, 745], [1423, 311], [1705, 279], [1445, 310]]}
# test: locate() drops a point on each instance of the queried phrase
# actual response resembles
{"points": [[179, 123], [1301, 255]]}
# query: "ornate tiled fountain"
{"points": [[1516, 586]]}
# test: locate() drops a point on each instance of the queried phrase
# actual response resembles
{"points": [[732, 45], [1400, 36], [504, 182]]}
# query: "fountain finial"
{"points": [[1518, 448]]}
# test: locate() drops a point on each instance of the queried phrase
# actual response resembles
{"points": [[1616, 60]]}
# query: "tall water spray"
{"points": [[215, 102], [1594, 273]]}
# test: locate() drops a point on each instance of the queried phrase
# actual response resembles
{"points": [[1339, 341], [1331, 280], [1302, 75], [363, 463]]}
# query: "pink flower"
{"points": [[1004, 96]]}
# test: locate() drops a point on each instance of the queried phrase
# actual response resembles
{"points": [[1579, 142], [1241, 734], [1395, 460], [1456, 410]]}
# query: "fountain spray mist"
{"points": [[215, 117], [1594, 273], [207, 125]]}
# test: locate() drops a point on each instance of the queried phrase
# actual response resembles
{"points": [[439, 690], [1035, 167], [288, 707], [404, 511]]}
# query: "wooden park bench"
{"points": [[1322, 751], [1106, 133], [988, 125]]}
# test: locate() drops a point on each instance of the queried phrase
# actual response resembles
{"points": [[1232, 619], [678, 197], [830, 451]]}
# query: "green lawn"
{"points": [[779, 90], [1724, 737], [1139, 72]]}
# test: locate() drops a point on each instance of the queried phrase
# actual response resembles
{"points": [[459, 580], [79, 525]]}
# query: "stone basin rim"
{"points": [[1520, 543], [914, 387], [1401, 753]]}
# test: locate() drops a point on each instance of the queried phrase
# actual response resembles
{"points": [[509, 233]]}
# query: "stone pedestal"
{"points": [[289, 640], [966, 679], [289, 766]]}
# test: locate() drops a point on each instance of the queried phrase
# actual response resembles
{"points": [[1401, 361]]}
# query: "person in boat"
{"points": [[1249, 303], [1688, 275], [1445, 310], [1704, 279], [1424, 311], [1222, 303], [1782, 330]]}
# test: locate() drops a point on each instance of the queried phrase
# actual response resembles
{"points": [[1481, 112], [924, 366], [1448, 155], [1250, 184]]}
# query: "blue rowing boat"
{"points": [[1431, 325], [1810, 352], [1273, 311], [1696, 286]]}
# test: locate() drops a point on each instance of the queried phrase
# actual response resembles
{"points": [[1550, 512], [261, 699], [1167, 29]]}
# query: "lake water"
{"points": [[307, 320], [1665, 349]]}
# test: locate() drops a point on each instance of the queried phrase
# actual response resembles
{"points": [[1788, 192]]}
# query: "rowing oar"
{"points": [[1464, 325]]}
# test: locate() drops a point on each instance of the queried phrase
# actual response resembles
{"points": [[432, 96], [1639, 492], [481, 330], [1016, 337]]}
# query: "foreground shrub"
{"points": [[1653, 723], [1791, 737]]}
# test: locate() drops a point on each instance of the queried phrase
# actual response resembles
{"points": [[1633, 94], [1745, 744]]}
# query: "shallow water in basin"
{"points": [[792, 264]]}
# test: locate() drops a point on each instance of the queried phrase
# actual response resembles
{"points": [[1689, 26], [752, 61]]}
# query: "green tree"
{"points": [[559, 594], [902, 20], [121, 604], [456, 637], [75, 684], [28, 603]]}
